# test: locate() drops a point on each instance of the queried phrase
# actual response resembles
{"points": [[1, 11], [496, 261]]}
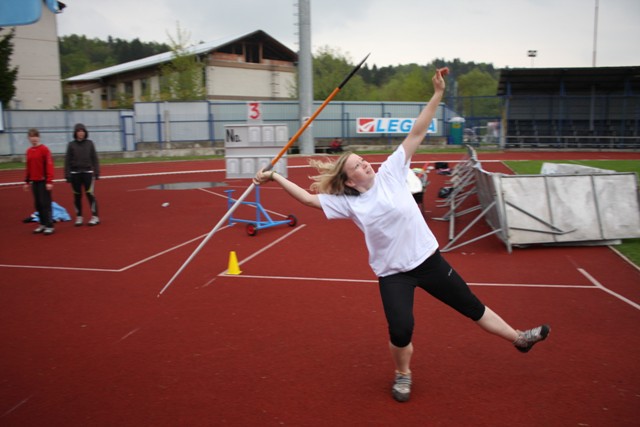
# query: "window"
{"points": [[252, 53]]}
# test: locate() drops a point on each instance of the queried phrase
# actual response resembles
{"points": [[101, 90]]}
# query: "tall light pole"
{"points": [[532, 54], [593, 64], [595, 33], [305, 75]]}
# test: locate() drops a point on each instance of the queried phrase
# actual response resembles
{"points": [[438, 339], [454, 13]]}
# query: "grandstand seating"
{"points": [[572, 133], [603, 113]]}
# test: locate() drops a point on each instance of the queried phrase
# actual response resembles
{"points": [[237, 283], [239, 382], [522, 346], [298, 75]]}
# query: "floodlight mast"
{"points": [[532, 54], [595, 33]]}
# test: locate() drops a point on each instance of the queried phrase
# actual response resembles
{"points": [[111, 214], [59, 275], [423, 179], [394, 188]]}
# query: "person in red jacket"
{"points": [[40, 176]]}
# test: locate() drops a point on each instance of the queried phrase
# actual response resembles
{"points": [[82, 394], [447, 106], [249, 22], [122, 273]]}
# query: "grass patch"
{"points": [[532, 167], [629, 247]]}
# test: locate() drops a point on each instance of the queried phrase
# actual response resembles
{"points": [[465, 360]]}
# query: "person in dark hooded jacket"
{"points": [[82, 169]]}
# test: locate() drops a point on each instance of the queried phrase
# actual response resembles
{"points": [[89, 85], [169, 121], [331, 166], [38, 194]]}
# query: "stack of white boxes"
{"points": [[250, 147]]}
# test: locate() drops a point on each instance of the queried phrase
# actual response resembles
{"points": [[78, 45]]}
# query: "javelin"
{"points": [[293, 139]]}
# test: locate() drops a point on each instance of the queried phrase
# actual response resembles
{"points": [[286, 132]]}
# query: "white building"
{"points": [[37, 56], [251, 66]]}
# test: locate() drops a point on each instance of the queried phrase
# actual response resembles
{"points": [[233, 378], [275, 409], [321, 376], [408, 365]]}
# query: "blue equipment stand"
{"points": [[259, 223]]}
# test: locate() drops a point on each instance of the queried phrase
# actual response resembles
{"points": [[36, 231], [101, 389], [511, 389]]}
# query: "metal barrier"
{"points": [[552, 209], [111, 130]]}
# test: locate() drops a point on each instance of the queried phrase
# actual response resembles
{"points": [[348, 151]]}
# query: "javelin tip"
{"points": [[355, 70]]}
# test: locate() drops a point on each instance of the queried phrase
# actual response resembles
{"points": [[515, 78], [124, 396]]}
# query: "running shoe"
{"points": [[78, 221], [401, 390], [48, 230], [39, 230], [94, 220], [528, 338]]}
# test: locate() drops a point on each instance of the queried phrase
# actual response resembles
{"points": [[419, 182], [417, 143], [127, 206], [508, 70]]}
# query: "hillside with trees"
{"points": [[79, 55], [470, 86], [401, 83]]}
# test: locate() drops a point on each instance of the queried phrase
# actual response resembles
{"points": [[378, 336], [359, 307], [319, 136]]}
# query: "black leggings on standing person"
{"points": [[439, 279], [78, 181], [42, 199]]}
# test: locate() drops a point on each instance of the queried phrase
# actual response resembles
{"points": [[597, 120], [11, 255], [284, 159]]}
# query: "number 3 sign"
{"points": [[254, 112]]}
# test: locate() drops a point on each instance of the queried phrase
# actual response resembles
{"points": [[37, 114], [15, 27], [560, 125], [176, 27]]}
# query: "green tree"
{"points": [[8, 75], [403, 83], [477, 83], [124, 100], [78, 101], [79, 55], [182, 79], [478, 89], [329, 69], [411, 84]]}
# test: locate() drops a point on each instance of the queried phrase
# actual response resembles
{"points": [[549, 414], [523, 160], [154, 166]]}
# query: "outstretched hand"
{"points": [[438, 78]]}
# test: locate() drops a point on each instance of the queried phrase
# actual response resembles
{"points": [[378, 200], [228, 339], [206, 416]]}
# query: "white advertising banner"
{"points": [[371, 125]]}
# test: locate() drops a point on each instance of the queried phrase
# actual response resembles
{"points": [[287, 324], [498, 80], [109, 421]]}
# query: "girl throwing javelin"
{"points": [[403, 251]]}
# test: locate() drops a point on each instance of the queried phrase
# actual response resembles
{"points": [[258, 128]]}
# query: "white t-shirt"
{"points": [[396, 234]]}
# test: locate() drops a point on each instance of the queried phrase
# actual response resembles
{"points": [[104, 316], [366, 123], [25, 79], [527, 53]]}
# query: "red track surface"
{"points": [[299, 338]]}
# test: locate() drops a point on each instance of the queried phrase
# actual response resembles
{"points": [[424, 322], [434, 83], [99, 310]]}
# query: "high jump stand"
{"points": [[263, 220]]}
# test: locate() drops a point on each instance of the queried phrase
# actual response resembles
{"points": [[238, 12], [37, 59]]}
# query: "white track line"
{"points": [[167, 250], [129, 334], [133, 175], [599, 286], [255, 254], [19, 404], [627, 260], [305, 279], [137, 263], [224, 196], [111, 270], [46, 267], [324, 279], [141, 175]]}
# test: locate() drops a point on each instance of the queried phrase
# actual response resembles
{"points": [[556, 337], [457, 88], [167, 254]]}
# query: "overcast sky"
{"points": [[396, 32]]}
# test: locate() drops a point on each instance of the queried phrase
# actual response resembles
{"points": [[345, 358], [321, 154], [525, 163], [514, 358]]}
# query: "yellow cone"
{"points": [[234, 268]]}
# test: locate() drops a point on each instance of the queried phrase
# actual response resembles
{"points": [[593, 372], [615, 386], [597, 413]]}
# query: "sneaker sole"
{"points": [[544, 331], [400, 397]]}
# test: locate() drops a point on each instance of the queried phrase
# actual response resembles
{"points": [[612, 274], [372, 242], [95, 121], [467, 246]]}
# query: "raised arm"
{"points": [[419, 129], [294, 190]]}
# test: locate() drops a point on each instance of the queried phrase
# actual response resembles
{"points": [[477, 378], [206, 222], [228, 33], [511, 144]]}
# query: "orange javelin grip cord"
{"points": [[306, 124]]}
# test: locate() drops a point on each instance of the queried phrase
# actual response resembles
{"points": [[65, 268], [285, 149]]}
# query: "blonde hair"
{"points": [[332, 177]]}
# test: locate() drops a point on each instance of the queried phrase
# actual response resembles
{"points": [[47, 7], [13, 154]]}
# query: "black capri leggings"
{"points": [[86, 180], [439, 279]]}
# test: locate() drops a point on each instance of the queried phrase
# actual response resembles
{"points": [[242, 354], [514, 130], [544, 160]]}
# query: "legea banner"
{"points": [[389, 125]]}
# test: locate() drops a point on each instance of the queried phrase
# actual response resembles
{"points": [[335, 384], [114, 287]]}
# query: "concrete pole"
{"points": [[595, 34], [305, 75]]}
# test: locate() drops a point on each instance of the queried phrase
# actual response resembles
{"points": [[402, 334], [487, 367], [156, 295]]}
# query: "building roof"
{"points": [[518, 81], [198, 49]]}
